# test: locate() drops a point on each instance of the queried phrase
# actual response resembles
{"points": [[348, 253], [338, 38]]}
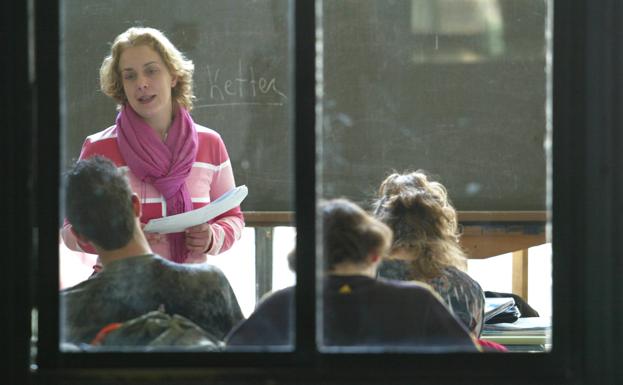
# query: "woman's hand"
{"points": [[199, 238], [153, 238]]}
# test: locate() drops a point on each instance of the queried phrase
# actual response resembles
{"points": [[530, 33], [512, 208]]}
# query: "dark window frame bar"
{"points": [[586, 228]]}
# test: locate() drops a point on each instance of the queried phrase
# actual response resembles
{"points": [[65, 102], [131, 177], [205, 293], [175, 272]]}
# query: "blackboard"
{"points": [[467, 107]]}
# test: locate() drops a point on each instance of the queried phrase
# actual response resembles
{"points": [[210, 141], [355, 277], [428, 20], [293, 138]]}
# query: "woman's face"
{"points": [[147, 83]]}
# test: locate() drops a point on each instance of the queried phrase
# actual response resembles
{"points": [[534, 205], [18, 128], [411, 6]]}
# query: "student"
{"points": [[426, 243], [174, 164], [359, 310], [104, 212]]}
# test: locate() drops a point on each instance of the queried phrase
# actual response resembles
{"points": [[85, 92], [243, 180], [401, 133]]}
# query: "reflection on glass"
{"points": [[458, 30], [144, 98], [456, 89]]}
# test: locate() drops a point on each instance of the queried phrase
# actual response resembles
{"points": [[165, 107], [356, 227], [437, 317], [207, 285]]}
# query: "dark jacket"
{"points": [[361, 311]]}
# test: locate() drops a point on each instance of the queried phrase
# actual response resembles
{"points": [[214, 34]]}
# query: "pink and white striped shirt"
{"points": [[210, 177]]}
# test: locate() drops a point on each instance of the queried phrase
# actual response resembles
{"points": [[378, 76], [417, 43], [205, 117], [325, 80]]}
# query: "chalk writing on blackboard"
{"points": [[246, 87]]}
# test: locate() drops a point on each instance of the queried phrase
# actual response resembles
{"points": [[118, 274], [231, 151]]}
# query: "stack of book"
{"points": [[525, 334]]}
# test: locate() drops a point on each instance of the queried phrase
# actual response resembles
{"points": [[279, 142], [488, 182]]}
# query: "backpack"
{"points": [[157, 330]]}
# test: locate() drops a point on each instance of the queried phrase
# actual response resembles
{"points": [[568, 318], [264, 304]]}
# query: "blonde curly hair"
{"points": [[111, 82], [423, 220]]}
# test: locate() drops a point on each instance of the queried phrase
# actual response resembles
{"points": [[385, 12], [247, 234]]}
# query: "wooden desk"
{"points": [[489, 233]]}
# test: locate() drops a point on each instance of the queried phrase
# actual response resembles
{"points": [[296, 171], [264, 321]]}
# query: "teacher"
{"points": [[173, 164]]}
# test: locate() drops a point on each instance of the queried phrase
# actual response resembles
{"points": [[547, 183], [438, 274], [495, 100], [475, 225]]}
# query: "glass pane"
{"points": [[236, 134], [434, 122]]}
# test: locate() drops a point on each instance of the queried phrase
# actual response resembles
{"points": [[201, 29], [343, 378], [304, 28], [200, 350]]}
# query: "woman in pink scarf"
{"points": [[174, 165]]}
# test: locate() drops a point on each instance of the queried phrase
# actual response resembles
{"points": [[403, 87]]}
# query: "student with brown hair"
{"points": [[426, 243]]}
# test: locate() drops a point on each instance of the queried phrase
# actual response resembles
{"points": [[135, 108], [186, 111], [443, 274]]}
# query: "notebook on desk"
{"points": [[495, 306]]}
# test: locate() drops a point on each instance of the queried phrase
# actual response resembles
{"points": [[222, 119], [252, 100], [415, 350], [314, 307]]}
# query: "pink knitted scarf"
{"points": [[165, 165]]}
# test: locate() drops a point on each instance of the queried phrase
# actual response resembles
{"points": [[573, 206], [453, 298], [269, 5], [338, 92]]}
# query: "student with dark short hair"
{"points": [[359, 310], [103, 211]]}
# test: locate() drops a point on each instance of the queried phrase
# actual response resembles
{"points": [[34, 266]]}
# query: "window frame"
{"points": [[587, 77]]}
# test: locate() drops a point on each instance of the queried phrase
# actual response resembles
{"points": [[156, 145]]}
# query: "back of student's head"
{"points": [[423, 221], [351, 234], [98, 203]]}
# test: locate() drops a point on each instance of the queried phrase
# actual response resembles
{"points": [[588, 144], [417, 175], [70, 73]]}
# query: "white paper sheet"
{"points": [[180, 222]]}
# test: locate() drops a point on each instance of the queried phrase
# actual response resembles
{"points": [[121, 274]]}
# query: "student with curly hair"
{"points": [[426, 243], [174, 164]]}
